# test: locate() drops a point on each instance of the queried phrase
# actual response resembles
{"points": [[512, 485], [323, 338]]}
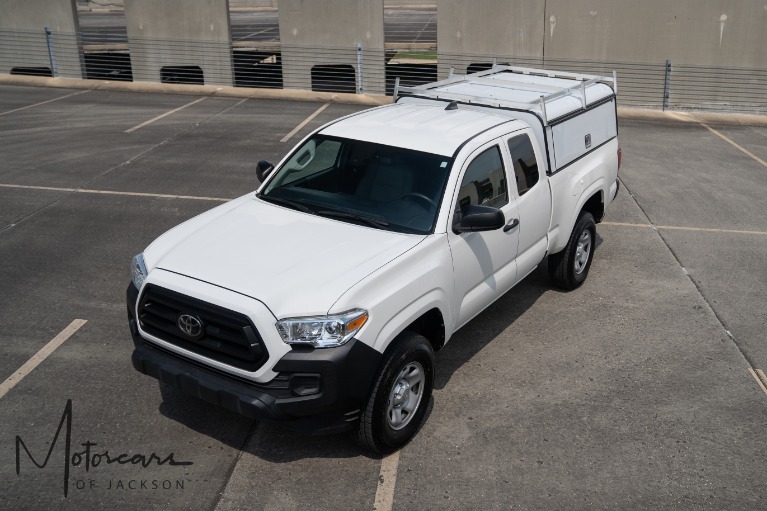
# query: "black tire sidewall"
{"points": [[417, 350], [585, 221]]}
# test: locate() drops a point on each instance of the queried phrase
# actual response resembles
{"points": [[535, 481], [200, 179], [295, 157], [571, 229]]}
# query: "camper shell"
{"points": [[571, 114]]}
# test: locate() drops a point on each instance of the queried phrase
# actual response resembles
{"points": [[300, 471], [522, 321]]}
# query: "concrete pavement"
{"points": [[628, 393]]}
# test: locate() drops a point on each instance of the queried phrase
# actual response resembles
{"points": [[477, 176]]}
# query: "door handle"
{"points": [[514, 222]]}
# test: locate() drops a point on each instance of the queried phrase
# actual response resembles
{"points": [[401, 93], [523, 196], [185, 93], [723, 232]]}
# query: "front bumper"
{"points": [[316, 390]]}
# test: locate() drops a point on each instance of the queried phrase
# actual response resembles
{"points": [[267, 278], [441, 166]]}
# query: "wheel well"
{"points": [[596, 206], [432, 326]]}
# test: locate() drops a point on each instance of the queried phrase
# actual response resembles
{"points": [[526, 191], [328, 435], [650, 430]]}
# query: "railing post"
{"points": [[51, 51], [359, 69], [667, 85]]}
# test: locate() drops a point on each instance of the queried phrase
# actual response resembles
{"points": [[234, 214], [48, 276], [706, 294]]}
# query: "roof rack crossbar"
{"points": [[463, 98], [513, 84], [575, 89], [578, 90], [420, 90], [454, 78], [547, 73]]}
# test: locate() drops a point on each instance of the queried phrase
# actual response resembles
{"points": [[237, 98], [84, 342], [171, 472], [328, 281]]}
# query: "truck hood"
{"points": [[296, 263]]}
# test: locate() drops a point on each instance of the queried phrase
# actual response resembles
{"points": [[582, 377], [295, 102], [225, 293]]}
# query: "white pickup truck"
{"points": [[321, 298]]}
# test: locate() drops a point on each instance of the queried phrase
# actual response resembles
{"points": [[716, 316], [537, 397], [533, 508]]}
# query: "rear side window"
{"points": [[484, 182], [525, 165]]}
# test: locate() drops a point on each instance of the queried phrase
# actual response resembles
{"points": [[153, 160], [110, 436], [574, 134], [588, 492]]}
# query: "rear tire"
{"points": [[400, 397], [570, 267]]}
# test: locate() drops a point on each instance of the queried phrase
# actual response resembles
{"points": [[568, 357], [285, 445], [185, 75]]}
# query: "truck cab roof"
{"points": [[422, 127]]}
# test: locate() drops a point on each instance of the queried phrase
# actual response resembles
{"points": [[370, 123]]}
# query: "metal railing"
{"points": [[41, 52], [718, 89], [246, 62]]}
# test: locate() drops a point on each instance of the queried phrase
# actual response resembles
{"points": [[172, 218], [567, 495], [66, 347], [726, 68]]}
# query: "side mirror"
{"points": [[263, 169], [478, 218]]}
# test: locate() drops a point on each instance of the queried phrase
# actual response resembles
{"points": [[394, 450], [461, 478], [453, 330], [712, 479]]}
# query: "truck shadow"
{"points": [[488, 325], [272, 442], [278, 443]]}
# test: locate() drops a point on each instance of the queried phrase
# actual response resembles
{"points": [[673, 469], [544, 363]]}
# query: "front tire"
{"points": [[400, 397], [570, 267]]}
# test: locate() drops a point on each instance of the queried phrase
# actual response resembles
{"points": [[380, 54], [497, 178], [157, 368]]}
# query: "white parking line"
{"points": [[706, 229], [387, 480], [306, 121], [112, 192], [760, 378], [223, 199], [166, 114], [44, 102], [41, 355], [735, 145], [694, 229], [626, 224]]}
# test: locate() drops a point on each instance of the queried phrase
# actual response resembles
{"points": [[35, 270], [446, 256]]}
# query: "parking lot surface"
{"points": [[637, 391]]}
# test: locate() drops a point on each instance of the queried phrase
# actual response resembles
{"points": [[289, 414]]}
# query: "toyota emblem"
{"points": [[190, 325]]}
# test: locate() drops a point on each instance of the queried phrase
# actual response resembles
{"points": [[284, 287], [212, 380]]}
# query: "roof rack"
{"points": [[583, 81]]}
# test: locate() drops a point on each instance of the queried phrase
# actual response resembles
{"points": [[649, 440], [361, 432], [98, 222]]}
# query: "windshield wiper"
{"points": [[373, 222], [289, 203]]}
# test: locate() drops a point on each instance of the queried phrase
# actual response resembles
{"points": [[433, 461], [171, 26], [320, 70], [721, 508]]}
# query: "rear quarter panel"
{"points": [[572, 186]]}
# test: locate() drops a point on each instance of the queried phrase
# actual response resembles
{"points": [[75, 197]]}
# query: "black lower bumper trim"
{"points": [[316, 390], [247, 400]]}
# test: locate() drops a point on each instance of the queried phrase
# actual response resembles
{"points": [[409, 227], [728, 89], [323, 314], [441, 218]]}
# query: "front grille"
{"points": [[227, 336]]}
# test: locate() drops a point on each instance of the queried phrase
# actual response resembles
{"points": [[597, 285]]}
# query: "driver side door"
{"points": [[484, 263]]}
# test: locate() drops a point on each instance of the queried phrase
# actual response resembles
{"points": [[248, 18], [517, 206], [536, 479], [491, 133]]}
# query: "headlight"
{"points": [[138, 270], [322, 331]]}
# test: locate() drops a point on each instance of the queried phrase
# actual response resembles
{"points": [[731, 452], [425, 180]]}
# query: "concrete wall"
{"points": [[409, 4], [633, 36], [252, 4], [179, 33], [27, 46], [728, 33], [100, 4], [482, 29], [327, 32]]}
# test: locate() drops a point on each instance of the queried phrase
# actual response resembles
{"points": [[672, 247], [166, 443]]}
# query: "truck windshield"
{"points": [[361, 182]]}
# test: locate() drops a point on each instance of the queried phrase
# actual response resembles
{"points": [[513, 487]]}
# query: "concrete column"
{"points": [[476, 31], [22, 36], [327, 32], [180, 33]]}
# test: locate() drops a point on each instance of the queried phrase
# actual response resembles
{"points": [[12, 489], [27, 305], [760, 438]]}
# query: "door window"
{"points": [[525, 165], [484, 182]]}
